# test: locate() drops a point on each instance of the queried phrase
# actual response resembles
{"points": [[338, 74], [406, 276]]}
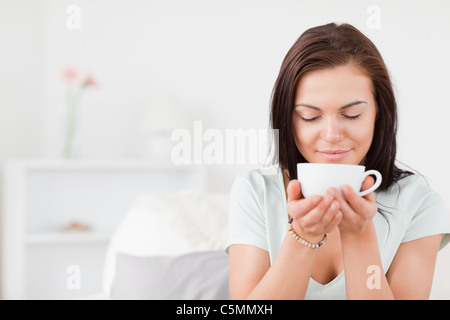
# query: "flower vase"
{"points": [[70, 131], [76, 84]]}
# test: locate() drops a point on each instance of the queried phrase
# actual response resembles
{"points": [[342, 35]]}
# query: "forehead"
{"points": [[334, 87]]}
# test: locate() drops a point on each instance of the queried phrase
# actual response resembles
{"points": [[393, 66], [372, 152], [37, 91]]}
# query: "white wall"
{"points": [[21, 85], [219, 59]]}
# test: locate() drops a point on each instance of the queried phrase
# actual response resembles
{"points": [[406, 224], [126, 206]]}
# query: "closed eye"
{"points": [[352, 117], [345, 116], [310, 119]]}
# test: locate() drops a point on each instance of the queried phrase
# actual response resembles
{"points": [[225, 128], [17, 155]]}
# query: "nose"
{"points": [[332, 131]]}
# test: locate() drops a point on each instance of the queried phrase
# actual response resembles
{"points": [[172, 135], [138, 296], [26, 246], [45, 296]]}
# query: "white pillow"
{"points": [[169, 225]]}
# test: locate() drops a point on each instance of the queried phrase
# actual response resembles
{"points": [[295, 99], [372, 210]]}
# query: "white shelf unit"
{"points": [[42, 196]]}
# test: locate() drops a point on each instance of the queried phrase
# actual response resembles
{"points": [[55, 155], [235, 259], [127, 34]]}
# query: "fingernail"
{"points": [[345, 189]]}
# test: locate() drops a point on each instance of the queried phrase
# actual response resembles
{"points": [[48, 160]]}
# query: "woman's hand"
{"points": [[313, 216], [357, 212]]}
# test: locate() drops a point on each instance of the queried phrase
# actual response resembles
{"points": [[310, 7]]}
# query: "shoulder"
{"points": [[423, 209], [256, 191], [412, 196], [417, 191], [412, 188], [256, 181]]}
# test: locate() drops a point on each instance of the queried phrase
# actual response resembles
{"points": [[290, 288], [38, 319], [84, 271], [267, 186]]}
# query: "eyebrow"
{"points": [[351, 104]]}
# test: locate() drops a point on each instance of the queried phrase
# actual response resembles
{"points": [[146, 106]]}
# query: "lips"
{"points": [[334, 155]]}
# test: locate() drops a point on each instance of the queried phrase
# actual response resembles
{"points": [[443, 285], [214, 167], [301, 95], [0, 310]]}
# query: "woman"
{"points": [[333, 103]]}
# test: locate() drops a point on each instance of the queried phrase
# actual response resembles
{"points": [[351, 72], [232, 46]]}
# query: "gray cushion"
{"points": [[199, 276]]}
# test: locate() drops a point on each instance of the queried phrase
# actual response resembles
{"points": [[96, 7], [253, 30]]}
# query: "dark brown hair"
{"points": [[328, 46]]}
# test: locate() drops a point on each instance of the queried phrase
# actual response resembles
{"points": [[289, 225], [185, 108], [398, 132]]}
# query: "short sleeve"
{"points": [[246, 221], [430, 218]]}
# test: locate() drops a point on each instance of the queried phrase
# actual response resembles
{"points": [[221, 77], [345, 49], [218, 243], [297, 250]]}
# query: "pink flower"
{"points": [[70, 74], [76, 76], [90, 81]]}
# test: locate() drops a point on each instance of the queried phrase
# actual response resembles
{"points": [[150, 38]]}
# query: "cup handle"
{"points": [[375, 185]]}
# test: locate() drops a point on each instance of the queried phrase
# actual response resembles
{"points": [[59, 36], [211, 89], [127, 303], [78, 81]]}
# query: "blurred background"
{"points": [[134, 71]]}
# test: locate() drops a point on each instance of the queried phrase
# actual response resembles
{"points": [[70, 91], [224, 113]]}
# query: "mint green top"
{"points": [[258, 217]]}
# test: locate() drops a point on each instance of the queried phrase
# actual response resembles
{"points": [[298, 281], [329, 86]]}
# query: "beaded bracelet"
{"points": [[315, 246]]}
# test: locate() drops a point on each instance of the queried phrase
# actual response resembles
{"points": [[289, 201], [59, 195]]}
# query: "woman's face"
{"points": [[334, 115]]}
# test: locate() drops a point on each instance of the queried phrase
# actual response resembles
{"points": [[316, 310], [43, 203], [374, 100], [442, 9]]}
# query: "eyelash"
{"points": [[309, 120], [352, 117], [348, 117]]}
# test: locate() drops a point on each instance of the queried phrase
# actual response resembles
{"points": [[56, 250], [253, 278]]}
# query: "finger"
{"points": [[334, 222], [299, 208], [316, 214], [294, 190], [330, 213], [368, 182], [357, 203], [344, 206]]}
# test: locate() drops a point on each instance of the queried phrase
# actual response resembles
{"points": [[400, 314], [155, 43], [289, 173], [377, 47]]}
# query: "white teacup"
{"points": [[316, 178]]}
